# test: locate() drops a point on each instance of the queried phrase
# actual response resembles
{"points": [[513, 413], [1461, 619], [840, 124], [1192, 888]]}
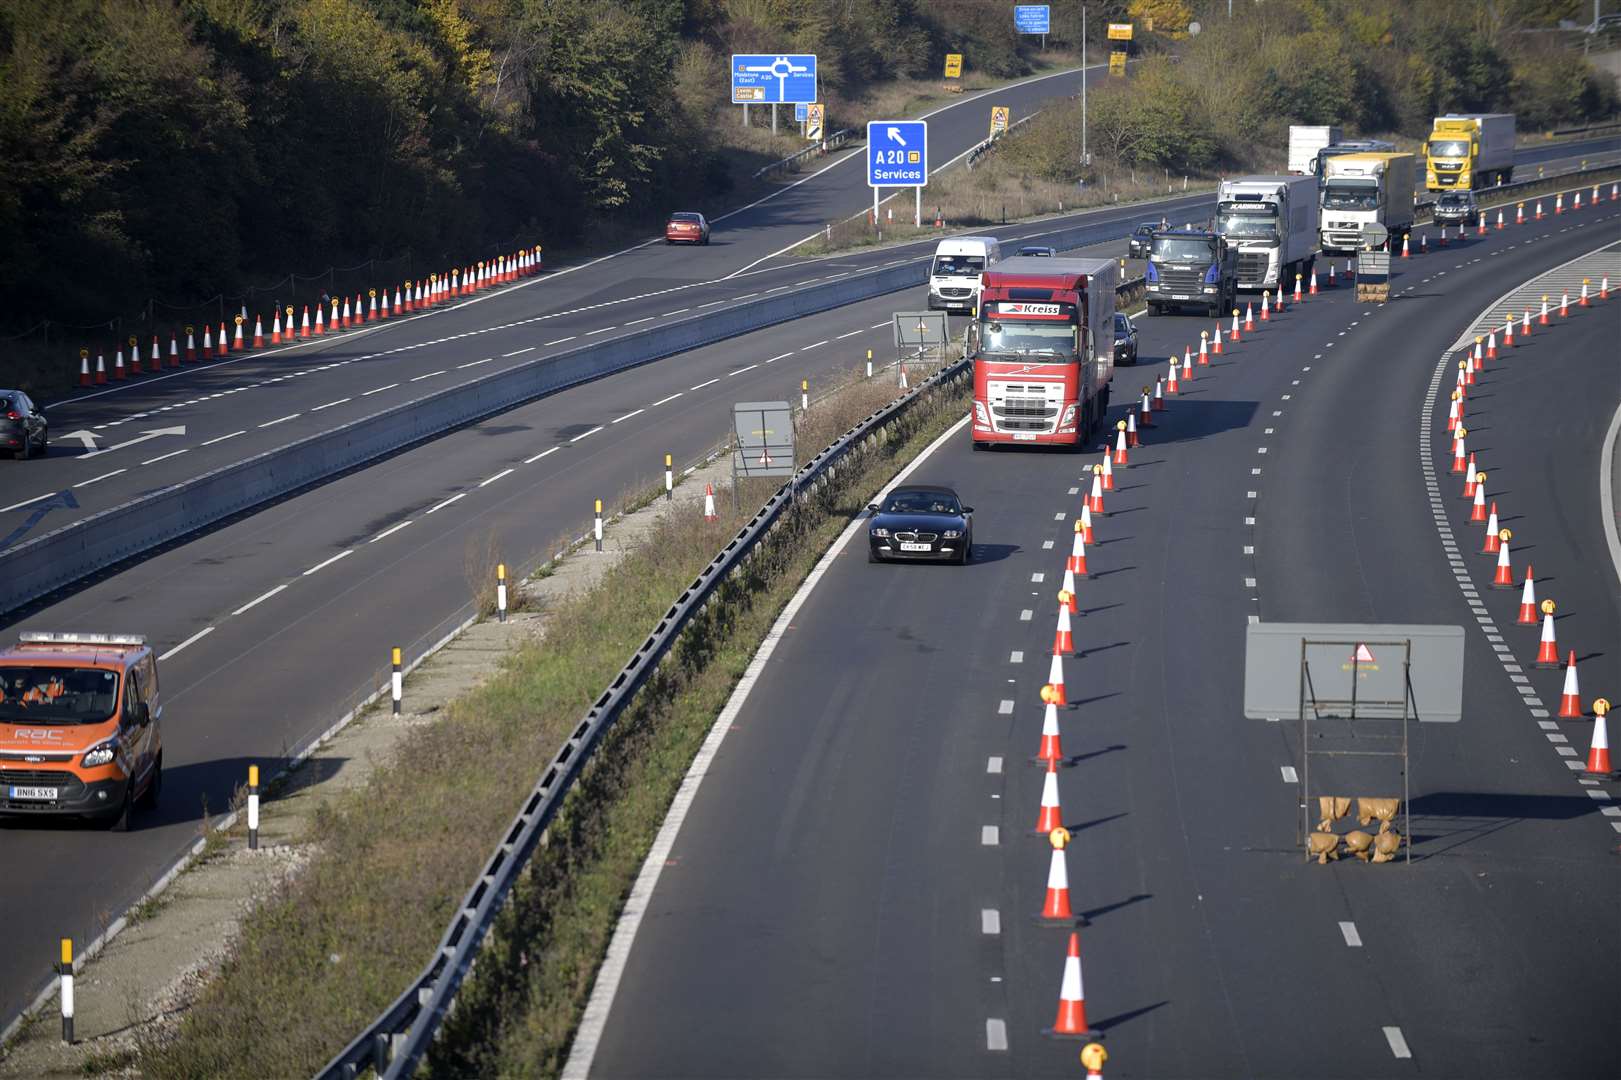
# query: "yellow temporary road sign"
{"points": [[999, 116], [1117, 63], [1120, 31], [815, 114], [954, 65]]}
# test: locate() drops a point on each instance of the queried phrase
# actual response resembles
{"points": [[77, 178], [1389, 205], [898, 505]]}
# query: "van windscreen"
{"points": [[57, 695], [958, 265]]}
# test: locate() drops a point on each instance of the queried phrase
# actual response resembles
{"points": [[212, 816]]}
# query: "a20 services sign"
{"points": [[897, 153]]}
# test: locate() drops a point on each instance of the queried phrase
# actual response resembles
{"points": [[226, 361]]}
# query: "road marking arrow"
{"points": [[63, 500], [87, 437], [894, 134], [152, 434]]}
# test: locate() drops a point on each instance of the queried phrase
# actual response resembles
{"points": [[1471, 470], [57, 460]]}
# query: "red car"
{"points": [[686, 229]]}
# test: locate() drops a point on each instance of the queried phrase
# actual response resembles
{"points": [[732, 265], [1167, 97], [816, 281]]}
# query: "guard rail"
{"points": [[792, 162]]}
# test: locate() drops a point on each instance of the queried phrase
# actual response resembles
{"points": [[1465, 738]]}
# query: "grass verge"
{"points": [[330, 948]]}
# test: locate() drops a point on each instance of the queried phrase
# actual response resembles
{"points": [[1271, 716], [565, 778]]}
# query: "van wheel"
{"points": [[154, 787], [119, 821]]}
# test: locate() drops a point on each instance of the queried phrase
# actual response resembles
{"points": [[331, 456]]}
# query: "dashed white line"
{"points": [[474, 363], [1037, 578], [741, 370], [852, 333], [560, 340], [814, 345], [600, 330], [677, 311], [1004, 707], [1398, 1042], [380, 389], [492, 479], [429, 375], [712, 303], [165, 457], [1016, 656], [106, 476], [518, 352], [256, 601], [627, 416], [635, 322], [1026, 615], [995, 1034], [701, 385], [993, 766], [877, 326], [198, 636], [328, 405], [389, 531], [329, 562], [537, 457], [1289, 774], [662, 400], [453, 498], [990, 921], [583, 434], [1352, 938], [779, 356], [26, 502], [989, 835], [281, 420]]}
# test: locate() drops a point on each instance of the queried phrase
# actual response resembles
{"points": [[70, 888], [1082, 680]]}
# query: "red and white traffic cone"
{"points": [[1423, 243], [156, 356], [1055, 682], [1233, 334], [1539, 210], [1570, 700], [304, 330], [1204, 348], [1598, 750], [1459, 457], [1052, 743], [347, 315], [709, 503], [1331, 282], [1108, 473], [1499, 222], [1051, 815], [1564, 305], [1249, 317], [1578, 203], [237, 342], [1452, 412], [1297, 291], [1085, 524], [1145, 411], [402, 299], [258, 333], [101, 370], [1525, 323], [1559, 203], [382, 304], [1528, 599], [222, 344], [1133, 440], [1266, 306], [1477, 512], [1548, 650], [1469, 479], [1489, 547], [1604, 287], [1095, 500], [275, 327], [1583, 301], [119, 374], [84, 368], [1063, 637], [1187, 365], [1077, 551], [1056, 908], [371, 314], [1121, 449], [1067, 594], [1159, 395], [1508, 332], [1312, 289], [1405, 253], [1519, 214], [1504, 578], [208, 341], [134, 358], [174, 350], [1491, 345], [320, 320], [1071, 1021], [1542, 319]]}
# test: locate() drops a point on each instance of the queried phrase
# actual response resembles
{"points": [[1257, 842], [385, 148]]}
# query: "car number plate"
{"points": [[1024, 436], [1180, 296], [907, 545], [46, 793]]}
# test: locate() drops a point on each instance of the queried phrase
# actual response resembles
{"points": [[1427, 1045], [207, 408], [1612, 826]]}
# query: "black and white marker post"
{"points": [[669, 478], [64, 968], [397, 681], [253, 808], [501, 591], [596, 525]]}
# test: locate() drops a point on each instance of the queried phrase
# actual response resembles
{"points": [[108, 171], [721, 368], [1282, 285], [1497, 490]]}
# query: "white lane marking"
{"points": [[492, 479], [701, 385], [1004, 707], [1398, 1042], [712, 303], [648, 318], [995, 1034], [1037, 578], [537, 457], [781, 356], [1016, 657], [380, 389], [877, 326], [1289, 775], [560, 340], [329, 562], [103, 476], [429, 375], [600, 330], [165, 457], [583, 434], [389, 531], [1059, 516], [627, 416], [993, 766], [990, 921], [989, 835], [677, 311], [741, 370], [256, 601], [745, 296], [517, 352], [1026, 615], [26, 502], [198, 636], [453, 498], [1352, 938], [852, 333], [281, 420], [817, 345], [662, 400], [474, 363], [328, 405]]}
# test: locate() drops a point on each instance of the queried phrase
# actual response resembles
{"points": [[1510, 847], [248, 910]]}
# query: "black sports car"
{"points": [[919, 522]]}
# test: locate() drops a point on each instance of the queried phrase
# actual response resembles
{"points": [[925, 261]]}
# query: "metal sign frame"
{"points": [[764, 433]]}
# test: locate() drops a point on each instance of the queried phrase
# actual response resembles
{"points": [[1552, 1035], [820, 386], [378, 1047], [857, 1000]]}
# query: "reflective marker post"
{"points": [[501, 592], [253, 808], [869, 363], [64, 969], [669, 479], [804, 395], [596, 526], [397, 681]]}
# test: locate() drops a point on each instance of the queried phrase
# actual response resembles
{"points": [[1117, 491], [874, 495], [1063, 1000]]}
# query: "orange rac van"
{"points": [[79, 726]]}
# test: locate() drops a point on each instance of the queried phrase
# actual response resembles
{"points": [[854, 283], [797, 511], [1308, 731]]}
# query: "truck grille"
{"points": [[1026, 407], [1252, 266], [1183, 282]]}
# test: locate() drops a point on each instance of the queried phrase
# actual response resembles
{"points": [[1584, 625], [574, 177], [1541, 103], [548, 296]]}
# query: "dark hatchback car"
{"points": [[928, 523], [1042, 251], [23, 430], [685, 228], [1142, 238], [1125, 339], [1457, 208]]}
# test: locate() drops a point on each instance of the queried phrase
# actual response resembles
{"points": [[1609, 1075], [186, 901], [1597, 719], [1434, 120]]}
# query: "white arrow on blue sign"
{"points": [[1032, 18], [897, 153]]}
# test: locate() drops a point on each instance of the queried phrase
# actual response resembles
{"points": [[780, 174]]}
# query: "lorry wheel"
{"points": [[1155, 309], [978, 446]]}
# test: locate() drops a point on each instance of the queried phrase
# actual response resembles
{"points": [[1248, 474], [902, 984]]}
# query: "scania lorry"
{"points": [[1191, 268], [1473, 150], [1043, 350], [1366, 189], [1272, 221]]}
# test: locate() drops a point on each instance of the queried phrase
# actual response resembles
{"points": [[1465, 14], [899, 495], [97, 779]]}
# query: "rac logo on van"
{"points": [[38, 734]]}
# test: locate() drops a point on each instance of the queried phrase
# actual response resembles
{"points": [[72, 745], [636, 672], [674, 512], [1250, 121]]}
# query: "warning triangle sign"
{"points": [[765, 458], [1362, 655]]}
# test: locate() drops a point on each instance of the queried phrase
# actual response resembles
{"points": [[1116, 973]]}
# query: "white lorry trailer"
{"points": [[1366, 189], [1305, 140], [1272, 221]]}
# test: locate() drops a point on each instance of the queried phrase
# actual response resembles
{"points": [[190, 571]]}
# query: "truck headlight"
{"points": [[1209, 288], [1069, 417], [980, 416], [99, 755]]}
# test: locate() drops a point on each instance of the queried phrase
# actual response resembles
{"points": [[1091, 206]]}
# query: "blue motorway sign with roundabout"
{"points": [[897, 153], [773, 78]]}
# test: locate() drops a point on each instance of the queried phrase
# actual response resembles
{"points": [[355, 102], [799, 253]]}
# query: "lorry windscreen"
{"points": [[1338, 196], [1182, 249], [1449, 148], [1253, 221], [1003, 336]]}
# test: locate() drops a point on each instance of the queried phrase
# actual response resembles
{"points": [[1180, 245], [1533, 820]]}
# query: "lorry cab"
{"points": [[956, 272], [80, 732], [1191, 268]]}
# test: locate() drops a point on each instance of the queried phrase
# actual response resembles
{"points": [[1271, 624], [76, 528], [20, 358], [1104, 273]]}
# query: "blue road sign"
{"points": [[802, 111], [1032, 18], [897, 153], [773, 79]]}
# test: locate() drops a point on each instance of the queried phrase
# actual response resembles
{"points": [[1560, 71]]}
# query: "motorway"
{"points": [[272, 625], [854, 888]]}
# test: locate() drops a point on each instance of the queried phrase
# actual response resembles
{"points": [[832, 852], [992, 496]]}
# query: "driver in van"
{"points": [[44, 692]]}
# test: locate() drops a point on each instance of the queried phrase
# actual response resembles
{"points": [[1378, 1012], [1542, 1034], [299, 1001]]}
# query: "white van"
{"points": [[955, 273]]}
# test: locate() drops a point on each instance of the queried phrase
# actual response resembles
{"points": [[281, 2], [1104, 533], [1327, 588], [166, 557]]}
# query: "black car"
{"points": [[23, 429], [1142, 237], [1125, 339], [1040, 250], [1457, 208], [918, 522]]}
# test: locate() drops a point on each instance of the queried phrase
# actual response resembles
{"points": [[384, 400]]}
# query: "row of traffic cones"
{"points": [[1519, 218], [346, 313]]}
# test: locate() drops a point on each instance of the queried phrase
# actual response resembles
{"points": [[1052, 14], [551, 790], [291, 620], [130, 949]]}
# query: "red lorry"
{"points": [[1042, 344]]}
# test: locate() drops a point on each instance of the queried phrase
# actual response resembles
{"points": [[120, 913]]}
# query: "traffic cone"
{"points": [[709, 503], [1564, 305], [1548, 651], [1528, 600], [1491, 345], [84, 369], [371, 315], [1204, 349], [208, 341], [1120, 447], [275, 327], [222, 345], [237, 344], [1052, 743], [1056, 908], [1458, 456], [1068, 597], [1469, 482], [1108, 473], [1055, 681], [1170, 384], [1095, 502], [1604, 287], [1499, 223], [1539, 210], [157, 356], [1297, 291], [1542, 320], [1215, 346], [1249, 316], [1508, 332], [174, 350], [258, 333], [1051, 815], [1598, 751], [101, 370], [346, 313], [1519, 214], [1578, 203], [1570, 700], [1331, 282], [1159, 395], [1489, 547], [1187, 365], [320, 320], [1266, 306], [1132, 439], [1404, 252], [382, 304], [1559, 203], [1071, 1022], [1525, 324], [1233, 333], [119, 374], [1504, 578], [1086, 523], [134, 358], [401, 303], [1312, 288], [1063, 637], [304, 327], [1583, 301], [1452, 412], [1478, 511], [1423, 243], [1077, 552], [1145, 411]]}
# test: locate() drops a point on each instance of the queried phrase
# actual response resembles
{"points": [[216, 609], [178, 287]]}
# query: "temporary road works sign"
{"points": [[773, 78], [815, 120], [999, 115], [1120, 31], [954, 65], [1117, 63], [897, 153]]}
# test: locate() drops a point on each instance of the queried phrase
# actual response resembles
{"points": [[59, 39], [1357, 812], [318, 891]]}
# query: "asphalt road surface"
{"points": [[854, 890]]}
